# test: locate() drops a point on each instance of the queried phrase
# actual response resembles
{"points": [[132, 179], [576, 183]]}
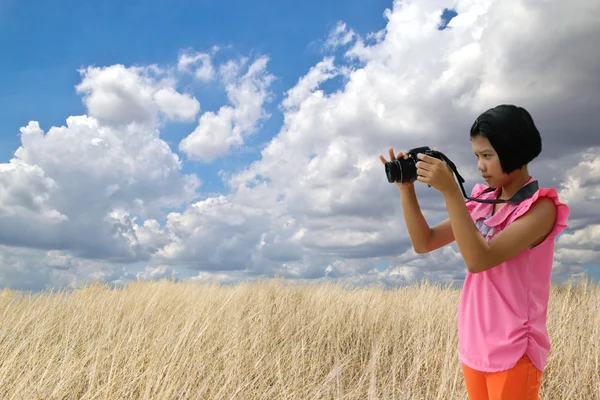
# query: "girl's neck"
{"points": [[515, 185]]}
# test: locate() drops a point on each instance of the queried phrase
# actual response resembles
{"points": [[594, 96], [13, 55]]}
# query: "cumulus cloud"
{"points": [[36, 270], [580, 187], [121, 95], [176, 106], [63, 188], [581, 190], [307, 84], [157, 273], [316, 203], [25, 190], [417, 85], [218, 132]]}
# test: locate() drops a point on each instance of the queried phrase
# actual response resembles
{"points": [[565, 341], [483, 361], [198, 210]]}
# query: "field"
{"points": [[266, 340]]}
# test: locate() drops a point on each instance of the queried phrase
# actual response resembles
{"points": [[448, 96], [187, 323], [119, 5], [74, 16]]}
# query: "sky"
{"points": [[233, 141]]}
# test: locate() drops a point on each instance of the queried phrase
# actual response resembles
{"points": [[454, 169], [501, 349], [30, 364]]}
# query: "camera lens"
{"points": [[392, 171], [401, 171]]}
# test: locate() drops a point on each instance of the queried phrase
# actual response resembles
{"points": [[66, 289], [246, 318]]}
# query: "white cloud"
{"points": [[418, 86], [176, 105], [217, 133], [339, 36], [35, 270], [200, 64], [306, 85], [63, 187], [581, 188], [316, 204], [587, 238], [158, 273], [25, 191], [121, 95]]}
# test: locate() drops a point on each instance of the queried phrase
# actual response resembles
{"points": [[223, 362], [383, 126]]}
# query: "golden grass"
{"points": [[266, 340]]}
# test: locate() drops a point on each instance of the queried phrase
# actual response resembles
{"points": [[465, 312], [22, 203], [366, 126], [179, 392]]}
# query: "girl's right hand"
{"points": [[400, 154]]}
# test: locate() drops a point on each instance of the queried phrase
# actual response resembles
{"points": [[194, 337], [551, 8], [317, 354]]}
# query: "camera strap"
{"points": [[524, 193]]}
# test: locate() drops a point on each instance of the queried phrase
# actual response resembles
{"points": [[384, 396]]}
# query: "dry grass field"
{"points": [[266, 340]]}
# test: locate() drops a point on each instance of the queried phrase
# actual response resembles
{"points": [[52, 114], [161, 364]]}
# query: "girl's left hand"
{"points": [[436, 173]]}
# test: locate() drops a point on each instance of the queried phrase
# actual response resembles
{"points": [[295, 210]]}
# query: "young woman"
{"points": [[508, 249]]}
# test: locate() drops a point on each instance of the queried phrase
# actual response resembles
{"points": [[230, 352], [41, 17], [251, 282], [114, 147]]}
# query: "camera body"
{"points": [[405, 171]]}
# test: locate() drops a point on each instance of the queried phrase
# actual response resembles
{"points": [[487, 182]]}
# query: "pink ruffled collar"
{"points": [[484, 209]]}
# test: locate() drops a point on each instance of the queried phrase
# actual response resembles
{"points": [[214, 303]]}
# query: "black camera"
{"points": [[405, 171]]}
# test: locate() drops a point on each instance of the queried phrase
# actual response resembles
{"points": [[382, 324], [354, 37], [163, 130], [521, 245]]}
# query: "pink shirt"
{"points": [[502, 311]]}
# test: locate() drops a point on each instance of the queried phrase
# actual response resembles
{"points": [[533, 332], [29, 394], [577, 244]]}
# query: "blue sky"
{"points": [[48, 44], [411, 73]]}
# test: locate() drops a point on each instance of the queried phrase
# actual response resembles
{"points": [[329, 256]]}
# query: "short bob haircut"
{"points": [[512, 133]]}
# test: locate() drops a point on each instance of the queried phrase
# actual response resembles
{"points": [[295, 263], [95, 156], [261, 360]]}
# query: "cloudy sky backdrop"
{"points": [[232, 141]]}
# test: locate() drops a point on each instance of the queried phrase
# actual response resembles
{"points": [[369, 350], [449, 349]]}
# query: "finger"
{"points": [[392, 158], [422, 166], [427, 159], [383, 160]]}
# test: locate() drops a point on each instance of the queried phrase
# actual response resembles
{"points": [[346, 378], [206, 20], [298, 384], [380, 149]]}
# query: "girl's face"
{"points": [[488, 162]]}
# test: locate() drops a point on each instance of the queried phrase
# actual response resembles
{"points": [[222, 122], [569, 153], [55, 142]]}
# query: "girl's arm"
{"points": [[424, 239], [479, 254]]}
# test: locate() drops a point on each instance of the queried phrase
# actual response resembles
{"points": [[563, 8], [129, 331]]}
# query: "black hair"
{"points": [[512, 133]]}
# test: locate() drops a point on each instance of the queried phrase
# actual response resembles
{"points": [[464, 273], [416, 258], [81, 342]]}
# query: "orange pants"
{"points": [[521, 382]]}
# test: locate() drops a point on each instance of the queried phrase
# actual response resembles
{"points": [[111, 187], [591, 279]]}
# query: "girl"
{"points": [[508, 249]]}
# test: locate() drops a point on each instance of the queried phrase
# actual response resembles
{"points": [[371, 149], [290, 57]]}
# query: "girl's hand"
{"points": [[401, 185], [436, 173]]}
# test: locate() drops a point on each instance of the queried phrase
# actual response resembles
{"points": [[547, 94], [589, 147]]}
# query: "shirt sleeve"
{"points": [[562, 210]]}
